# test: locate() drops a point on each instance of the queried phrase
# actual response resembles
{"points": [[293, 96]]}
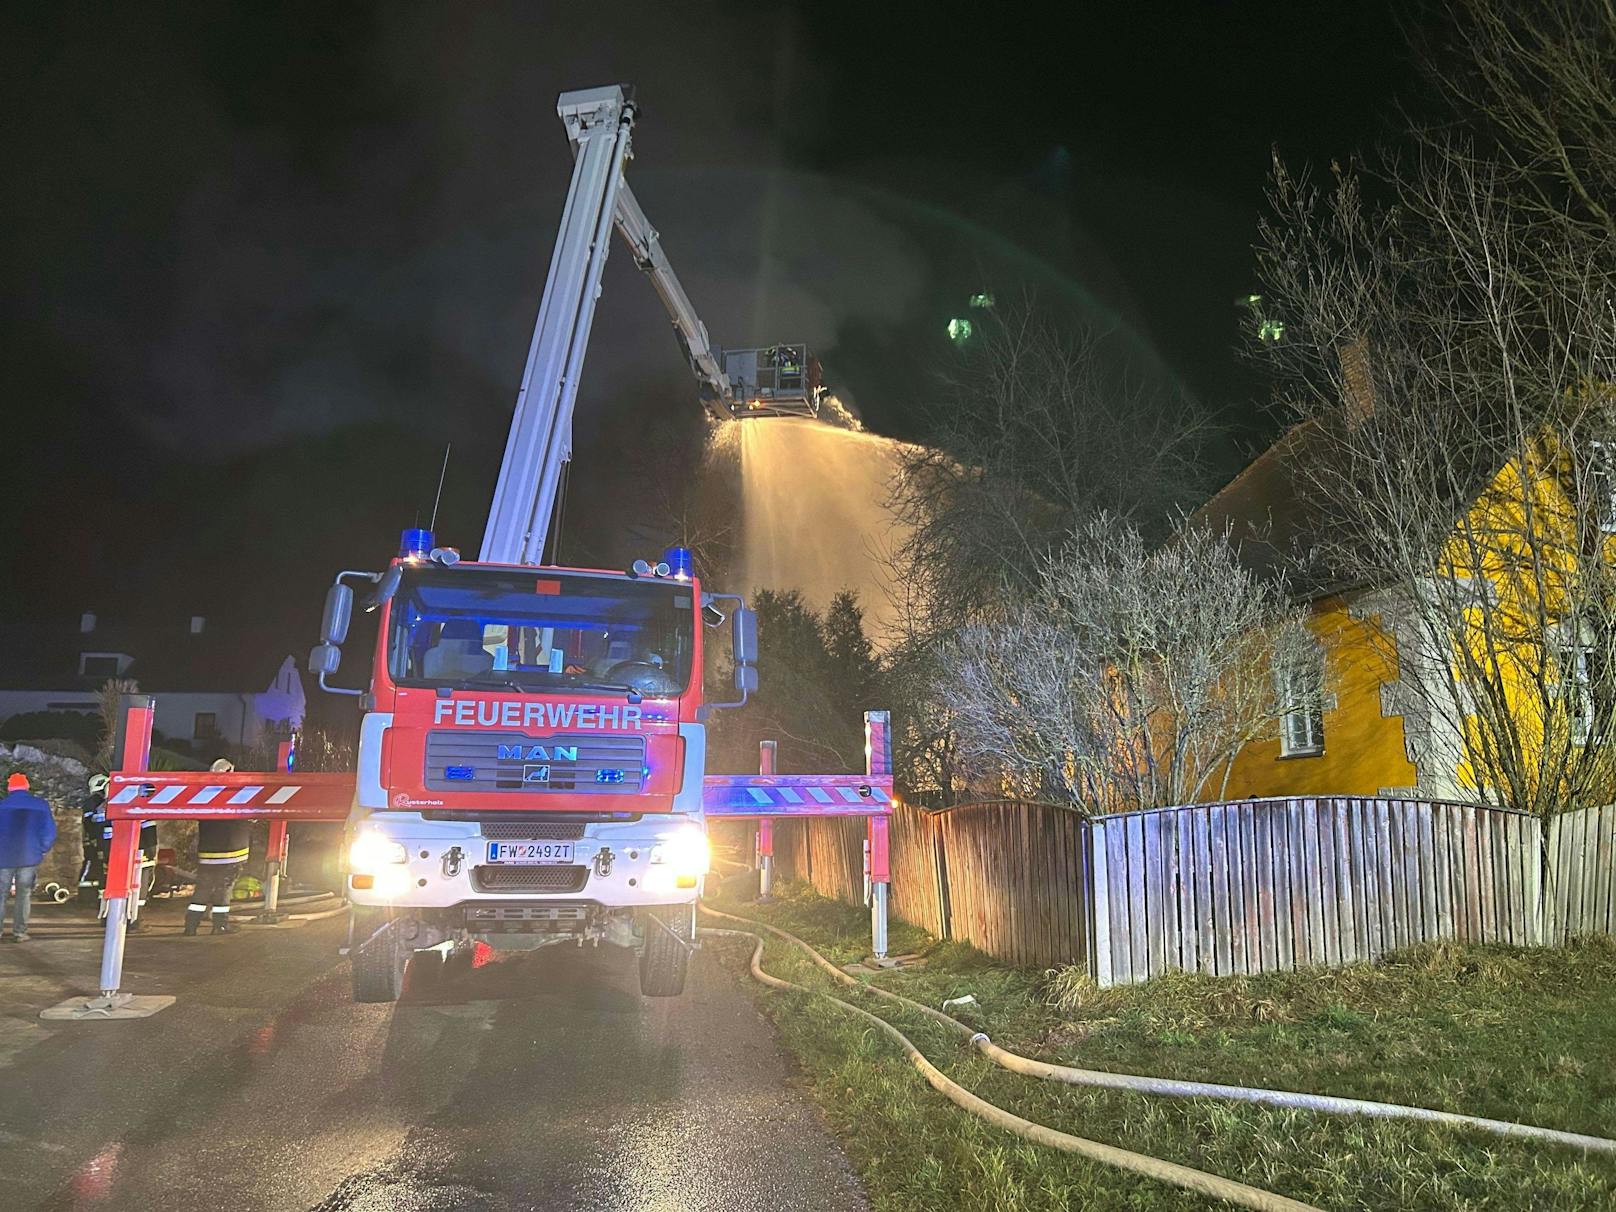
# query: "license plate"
{"points": [[530, 852]]}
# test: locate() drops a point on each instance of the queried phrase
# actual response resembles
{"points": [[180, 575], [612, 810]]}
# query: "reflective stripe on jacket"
{"points": [[219, 842], [215, 857]]}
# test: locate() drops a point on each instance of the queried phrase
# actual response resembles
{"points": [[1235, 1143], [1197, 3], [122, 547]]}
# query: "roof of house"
{"points": [[1282, 527], [45, 656], [1275, 529]]}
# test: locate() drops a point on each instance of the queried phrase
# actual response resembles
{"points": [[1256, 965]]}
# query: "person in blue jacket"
{"points": [[27, 831]]}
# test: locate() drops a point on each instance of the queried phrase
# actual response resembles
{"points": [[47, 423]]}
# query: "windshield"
{"points": [[539, 630]]}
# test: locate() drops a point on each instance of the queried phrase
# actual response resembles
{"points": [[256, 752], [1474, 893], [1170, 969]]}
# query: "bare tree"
{"points": [[1133, 676], [1537, 81], [1451, 352], [925, 742], [1040, 431]]}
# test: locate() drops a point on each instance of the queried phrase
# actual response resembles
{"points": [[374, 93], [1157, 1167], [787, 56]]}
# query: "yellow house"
{"points": [[1525, 663]]}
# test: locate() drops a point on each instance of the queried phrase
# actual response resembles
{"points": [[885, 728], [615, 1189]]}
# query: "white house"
{"points": [[211, 684]]}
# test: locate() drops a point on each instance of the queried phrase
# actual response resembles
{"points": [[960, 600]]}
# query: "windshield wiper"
{"points": [[572, 682], [634, 695], [482, 679]]}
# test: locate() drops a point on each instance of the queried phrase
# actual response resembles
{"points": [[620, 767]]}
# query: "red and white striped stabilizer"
{"points": [[759, 795], [189, 795], [764, 796]]}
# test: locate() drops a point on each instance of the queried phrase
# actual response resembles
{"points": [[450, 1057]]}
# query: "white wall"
{"points": [[239, 723]]}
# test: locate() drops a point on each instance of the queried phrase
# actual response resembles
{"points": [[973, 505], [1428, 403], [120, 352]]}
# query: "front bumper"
{"points": [[446, 864]]}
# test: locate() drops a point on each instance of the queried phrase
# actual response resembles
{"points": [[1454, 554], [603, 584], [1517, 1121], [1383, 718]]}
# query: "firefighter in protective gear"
{"points": [[98, 846], [97, 833], [221, 849]]}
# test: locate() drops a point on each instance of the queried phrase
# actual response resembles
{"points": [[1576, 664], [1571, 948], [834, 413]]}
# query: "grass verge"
{"points": [[1499, 1032]]}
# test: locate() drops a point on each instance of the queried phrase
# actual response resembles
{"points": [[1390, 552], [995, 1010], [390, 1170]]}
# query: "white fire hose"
{"points": [[1138, 1163], [1169, 1087]]}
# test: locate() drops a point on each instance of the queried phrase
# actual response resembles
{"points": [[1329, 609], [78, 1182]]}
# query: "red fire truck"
{"points": [[532, 754]]}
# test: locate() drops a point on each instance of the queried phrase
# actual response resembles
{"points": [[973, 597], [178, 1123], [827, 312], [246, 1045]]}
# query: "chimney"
{"points": [[1357, 383], [86, 622], [198, 622]]}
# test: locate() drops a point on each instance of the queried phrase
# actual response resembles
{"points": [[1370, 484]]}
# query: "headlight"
{"points": [[371, 852], [686, 852]]}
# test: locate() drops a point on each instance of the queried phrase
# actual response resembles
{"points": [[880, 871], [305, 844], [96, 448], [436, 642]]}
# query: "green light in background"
{"points": [[959, 330], [985, 299]]}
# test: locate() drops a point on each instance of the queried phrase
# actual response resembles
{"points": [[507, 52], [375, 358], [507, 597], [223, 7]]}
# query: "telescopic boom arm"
{"points": [[778, 381], [600, 123], [705, 360]]}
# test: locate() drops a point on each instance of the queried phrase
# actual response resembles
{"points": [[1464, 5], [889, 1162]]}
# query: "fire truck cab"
{"points": [[531, 759]]}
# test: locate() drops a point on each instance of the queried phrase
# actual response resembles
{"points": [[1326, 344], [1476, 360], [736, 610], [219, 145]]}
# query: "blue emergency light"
{"points": [[680, 562], [414, 542]]}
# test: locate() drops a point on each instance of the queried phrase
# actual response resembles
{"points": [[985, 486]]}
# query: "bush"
{"points": [[52, 725]]}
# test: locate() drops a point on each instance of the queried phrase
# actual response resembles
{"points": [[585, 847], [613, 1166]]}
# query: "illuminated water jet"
{"points": [[813, 512]]}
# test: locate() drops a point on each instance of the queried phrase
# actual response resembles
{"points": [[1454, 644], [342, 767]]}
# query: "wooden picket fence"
{"points": [[1581, 866], [1225, 889], [1005, 876], [1013, 877], [1228, 889]]}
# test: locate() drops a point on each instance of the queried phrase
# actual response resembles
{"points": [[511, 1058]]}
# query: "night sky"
{"points": [[264, 261]]}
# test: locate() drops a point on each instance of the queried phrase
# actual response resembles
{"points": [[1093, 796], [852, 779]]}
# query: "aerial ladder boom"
{"points": [[780, 380], [600, 123], [705, 360]]}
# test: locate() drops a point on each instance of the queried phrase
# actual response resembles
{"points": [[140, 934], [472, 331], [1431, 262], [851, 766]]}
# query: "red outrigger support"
{"points": [[769, 796], [136, 794]]}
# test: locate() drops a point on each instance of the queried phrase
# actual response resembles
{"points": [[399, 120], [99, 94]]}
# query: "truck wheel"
{"points": [[378, 959], [665, 959]]}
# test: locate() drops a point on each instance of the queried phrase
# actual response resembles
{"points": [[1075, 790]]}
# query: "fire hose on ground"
{"points": [[1137, 1163], [1015, 1063]]}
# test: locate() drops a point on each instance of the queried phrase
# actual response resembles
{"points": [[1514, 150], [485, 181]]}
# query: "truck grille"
{"points": [[529, 879], [533, 831], [510, 761]]}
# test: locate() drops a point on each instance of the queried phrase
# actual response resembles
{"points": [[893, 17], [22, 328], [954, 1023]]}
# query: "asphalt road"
{"points": [[542, 1081]]}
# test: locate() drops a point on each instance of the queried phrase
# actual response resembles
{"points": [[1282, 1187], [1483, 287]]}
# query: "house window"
{"points": [[207, 726], [103, 664], [1602, 489], [1301, 714]]}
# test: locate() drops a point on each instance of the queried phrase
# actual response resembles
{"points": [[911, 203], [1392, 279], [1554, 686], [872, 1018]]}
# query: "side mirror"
{"points": [[744, 636], [338, 613], [743, 645], [324, 659]]}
